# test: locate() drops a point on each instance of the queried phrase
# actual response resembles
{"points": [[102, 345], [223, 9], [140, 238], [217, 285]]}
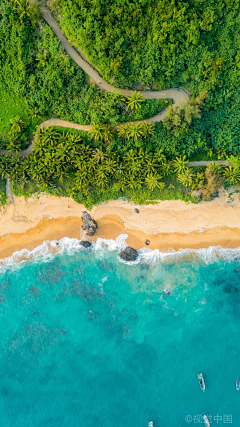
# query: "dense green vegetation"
{"points": [[90, 171], [12, 107], [156, 42], [141, 44], [47, 83], [161, 44], [3, 195]]}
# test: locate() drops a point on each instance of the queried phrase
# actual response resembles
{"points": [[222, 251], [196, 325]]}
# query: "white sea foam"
{"points": [[44, 251], [112, 245], [47, 250]]}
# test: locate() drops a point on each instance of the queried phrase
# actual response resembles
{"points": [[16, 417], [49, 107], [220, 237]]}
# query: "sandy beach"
{"points": [[169, 225]]}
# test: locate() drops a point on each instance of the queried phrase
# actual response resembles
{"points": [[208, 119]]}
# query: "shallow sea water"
{"points": [[88, 340]]}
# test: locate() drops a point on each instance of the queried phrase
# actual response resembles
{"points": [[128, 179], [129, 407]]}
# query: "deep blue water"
{"points": [[87, 340]]}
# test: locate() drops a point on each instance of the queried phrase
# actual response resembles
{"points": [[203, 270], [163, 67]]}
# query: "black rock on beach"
{"points": [[88, 224], [91, 231], [128, 254]]}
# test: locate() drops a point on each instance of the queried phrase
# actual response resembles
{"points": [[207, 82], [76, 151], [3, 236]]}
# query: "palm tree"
{"points": [[215, 167], [134, 182], [6, 164], [81, 180], [122, 181], [61, 154], [134, 101], [107, 133], [91, 166], [26, 10], [148, 129], [232, 175], [38, 173], [180, 164], [98, 155], [198, 181], [14, 145], [102, 132], [153, 181], [96, 132], [74, 138], [130, 157], [120, 171], [81, 160], [17, 124], [101, 176], [135, 167], [39, 148], [42, 59], [49, 136], [60, 174], [222, 153], [119, 97], [122, 131], [134, 131], [149, 167], [144, 155], [186, 177], [166, 167], [110, 165], [159, 157]]}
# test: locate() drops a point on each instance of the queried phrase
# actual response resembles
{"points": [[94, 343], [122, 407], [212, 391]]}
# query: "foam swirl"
{"points": [[48, 249]]}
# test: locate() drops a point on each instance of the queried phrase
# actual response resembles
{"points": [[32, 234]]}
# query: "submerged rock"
{"points": [[128, 254], [85, 243]]}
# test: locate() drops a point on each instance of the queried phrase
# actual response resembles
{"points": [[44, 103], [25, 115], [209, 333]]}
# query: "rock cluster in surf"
{"points": [[88, 224], [85, 243], [128, 254]]}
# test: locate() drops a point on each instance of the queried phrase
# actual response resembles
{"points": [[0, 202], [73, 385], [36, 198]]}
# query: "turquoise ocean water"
{"points": [[88, 340]]}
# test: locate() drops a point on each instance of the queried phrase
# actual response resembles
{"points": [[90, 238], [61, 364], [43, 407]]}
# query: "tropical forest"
{"points": [[132, 99]]}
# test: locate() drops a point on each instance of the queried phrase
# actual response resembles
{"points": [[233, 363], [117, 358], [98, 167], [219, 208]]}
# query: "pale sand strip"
{"points": [[168, 224]]}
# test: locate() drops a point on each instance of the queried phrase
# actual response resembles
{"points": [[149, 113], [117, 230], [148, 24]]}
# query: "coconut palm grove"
{"points": [[142, 46]]}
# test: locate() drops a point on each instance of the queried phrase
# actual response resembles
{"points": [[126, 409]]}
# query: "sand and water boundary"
{"points": [[168, 225]]}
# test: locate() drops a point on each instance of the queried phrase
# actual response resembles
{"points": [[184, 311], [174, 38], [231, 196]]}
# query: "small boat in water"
{"points": [[150, 423], [238, 385], [206, 422], [201, 381]]}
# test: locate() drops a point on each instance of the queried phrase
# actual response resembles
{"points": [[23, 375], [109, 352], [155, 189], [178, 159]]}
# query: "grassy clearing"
{"points": [[12, 106]]}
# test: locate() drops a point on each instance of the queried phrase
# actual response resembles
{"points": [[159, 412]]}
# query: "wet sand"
{"points": [[169, 225]]}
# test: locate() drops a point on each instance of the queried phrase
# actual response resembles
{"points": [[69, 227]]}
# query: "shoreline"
{"points": [[166, 243], [169, 225]]}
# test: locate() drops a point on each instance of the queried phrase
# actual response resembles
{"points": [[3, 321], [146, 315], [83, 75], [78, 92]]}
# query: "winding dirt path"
{"points": [[177, 95]]}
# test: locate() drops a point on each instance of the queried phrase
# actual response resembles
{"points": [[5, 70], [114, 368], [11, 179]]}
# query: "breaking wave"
{"points": [[49, 248]]}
